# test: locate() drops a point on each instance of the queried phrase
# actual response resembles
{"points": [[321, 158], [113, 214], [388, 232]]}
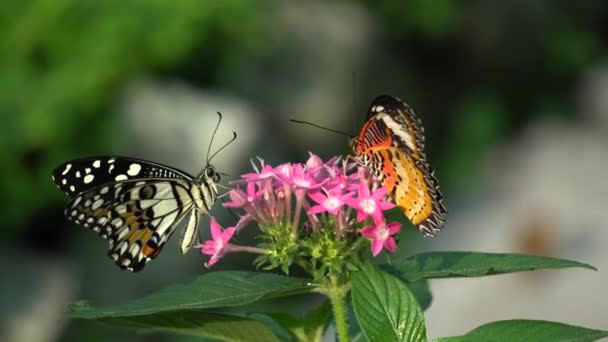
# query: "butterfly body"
{"points": [[135, 204], [391, 145]]}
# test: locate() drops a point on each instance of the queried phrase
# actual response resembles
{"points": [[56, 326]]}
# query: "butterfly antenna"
{"points": [[354, 116], [219, 120], [321, 127], [229, 209], [223, 147], [223, 187]]}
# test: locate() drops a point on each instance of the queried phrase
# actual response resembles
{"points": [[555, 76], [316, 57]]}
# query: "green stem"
{"points": [[337, 293], [304, 265]]}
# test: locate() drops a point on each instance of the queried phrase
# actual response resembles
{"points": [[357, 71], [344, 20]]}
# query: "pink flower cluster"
{"points": [[308, 196]]}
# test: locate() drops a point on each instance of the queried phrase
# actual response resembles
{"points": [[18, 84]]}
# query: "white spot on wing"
{"points": [[104, 190], [134, 249], [67, 168], [76, 201], [122, 233], [97, 163], [64, 181], [117, 222], [123, 247], [120, 178], [78, 174], [88, 179], [400, 131], [97, 204], [87, 170], [378, 109], [72, 188], [134, 169], [111, 168]]}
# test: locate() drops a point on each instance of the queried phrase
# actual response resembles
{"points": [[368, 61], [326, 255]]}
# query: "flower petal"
{"points": [[390, 244], [394, 228], [216, 229], [317, 196], [385, 205], [369, 232], [363, 190], [316, 209], [377, 247], [238, 197], [227, 234], [379, 193]]}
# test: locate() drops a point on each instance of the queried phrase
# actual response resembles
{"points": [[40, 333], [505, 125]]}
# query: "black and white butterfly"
{"points": [[136, 204]]}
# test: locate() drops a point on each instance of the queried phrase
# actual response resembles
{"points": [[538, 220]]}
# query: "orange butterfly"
{"points": [[391, 146]]}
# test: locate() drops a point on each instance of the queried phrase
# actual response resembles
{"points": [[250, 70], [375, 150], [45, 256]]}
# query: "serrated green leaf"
{"points": [[471, 264], [528, 330], [214, 326], [385, 308], [210, 290]]}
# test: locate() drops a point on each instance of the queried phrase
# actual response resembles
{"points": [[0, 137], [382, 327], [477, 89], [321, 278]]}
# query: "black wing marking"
{"points": [[406, 126], [76, 176], [136, 217]]}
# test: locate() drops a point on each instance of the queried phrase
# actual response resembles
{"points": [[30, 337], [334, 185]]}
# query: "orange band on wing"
{"points": [[405, 183]]}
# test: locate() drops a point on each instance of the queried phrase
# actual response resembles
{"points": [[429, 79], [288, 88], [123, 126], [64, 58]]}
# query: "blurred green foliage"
{"points": [[475, 71], [62, 62]]}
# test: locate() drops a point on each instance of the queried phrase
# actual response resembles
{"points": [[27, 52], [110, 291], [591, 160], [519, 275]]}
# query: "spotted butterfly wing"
{"points": [[391, 145], [135, 204]]}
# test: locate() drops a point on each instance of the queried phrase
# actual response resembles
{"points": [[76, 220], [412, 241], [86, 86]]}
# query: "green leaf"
{"points": [[386, 310], [528, 330], [217, 327], [422, 293], [471, 264], [420, 290], [311, 327], [210, 290]]}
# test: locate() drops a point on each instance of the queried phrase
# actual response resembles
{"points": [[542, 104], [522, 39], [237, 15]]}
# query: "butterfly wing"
{"points": [[391, 144], [134, 204], [78, 175], [412, 186], [136, 217], [400, 123]]}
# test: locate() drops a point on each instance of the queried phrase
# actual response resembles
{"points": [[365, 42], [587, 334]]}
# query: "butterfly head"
{"points": [[209, 176]]}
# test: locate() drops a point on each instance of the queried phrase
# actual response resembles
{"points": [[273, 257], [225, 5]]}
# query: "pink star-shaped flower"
{"points": [[283, 170], [369, 204], [298, 177], [313, 161], [381, 236], [266, 172], [239, 198], [219, 244], [332, 202]]}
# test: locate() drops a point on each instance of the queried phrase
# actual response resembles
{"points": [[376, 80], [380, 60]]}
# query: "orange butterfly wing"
{"points": [[391, 144]]}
